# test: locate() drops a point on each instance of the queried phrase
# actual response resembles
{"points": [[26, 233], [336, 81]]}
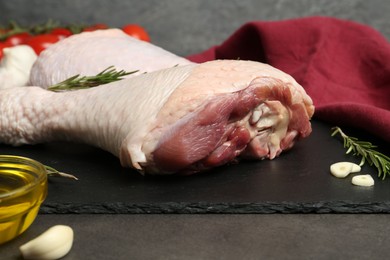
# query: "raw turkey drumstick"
{"points": [[182, 119]]}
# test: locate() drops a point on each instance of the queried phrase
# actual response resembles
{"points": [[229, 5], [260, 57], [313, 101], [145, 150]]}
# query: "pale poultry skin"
{"points": [[89, 53]]}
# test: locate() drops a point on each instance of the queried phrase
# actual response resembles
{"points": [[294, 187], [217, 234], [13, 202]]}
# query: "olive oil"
{"points": [[23, 187]]}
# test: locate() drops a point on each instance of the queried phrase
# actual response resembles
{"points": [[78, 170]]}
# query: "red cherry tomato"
{"points": [[62, 32], [98, 26], [18, 38], [42, 41], [136, 31]]}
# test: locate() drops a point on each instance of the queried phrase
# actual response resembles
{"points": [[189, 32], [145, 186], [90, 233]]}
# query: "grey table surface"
{"points": [[264, 236], [187, 27]]}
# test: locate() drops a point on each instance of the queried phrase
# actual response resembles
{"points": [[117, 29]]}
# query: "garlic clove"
{"points": [[364, 180], [343, 169], [54, 243], [16, 65], [355, 168]]}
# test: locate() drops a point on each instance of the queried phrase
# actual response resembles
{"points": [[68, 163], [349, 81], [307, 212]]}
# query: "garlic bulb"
{"points": [[54, 243]]}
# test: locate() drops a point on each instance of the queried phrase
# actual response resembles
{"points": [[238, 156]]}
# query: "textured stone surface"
{"points": [[187, 27], [298, 181], [217, 208]]}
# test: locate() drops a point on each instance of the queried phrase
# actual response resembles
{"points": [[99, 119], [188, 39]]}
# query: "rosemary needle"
{"points": [[108, 75], [53, 172], [367, 151]]}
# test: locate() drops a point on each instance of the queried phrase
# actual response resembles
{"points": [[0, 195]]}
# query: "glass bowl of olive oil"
{"points": [[23, 188]]}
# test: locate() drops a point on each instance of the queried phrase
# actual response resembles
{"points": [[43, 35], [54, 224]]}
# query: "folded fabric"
{"points": [[344, 66]]}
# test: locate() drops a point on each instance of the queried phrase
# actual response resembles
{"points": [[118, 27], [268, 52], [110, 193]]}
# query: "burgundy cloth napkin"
{"points": [[344, 66]]}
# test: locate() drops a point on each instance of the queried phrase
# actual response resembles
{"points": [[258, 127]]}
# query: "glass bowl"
{"points": [[23, 188]]}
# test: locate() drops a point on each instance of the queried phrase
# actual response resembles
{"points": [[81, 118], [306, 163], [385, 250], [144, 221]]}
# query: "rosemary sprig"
{"points": [[80, 82], [53, 172], [45, 27], [12, 29], [367, 151], [15, 28]]}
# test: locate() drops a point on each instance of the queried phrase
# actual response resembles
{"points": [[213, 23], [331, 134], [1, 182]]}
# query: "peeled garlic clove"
{"points": [[54, 243], [342, 169], [363, 180], [356, 168]]}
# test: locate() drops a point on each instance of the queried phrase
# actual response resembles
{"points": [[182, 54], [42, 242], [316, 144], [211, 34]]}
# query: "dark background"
{"points": [[188, 27]]}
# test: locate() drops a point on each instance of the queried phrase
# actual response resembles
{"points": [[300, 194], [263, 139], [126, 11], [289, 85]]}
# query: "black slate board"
{"points": [[298, 181]]}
